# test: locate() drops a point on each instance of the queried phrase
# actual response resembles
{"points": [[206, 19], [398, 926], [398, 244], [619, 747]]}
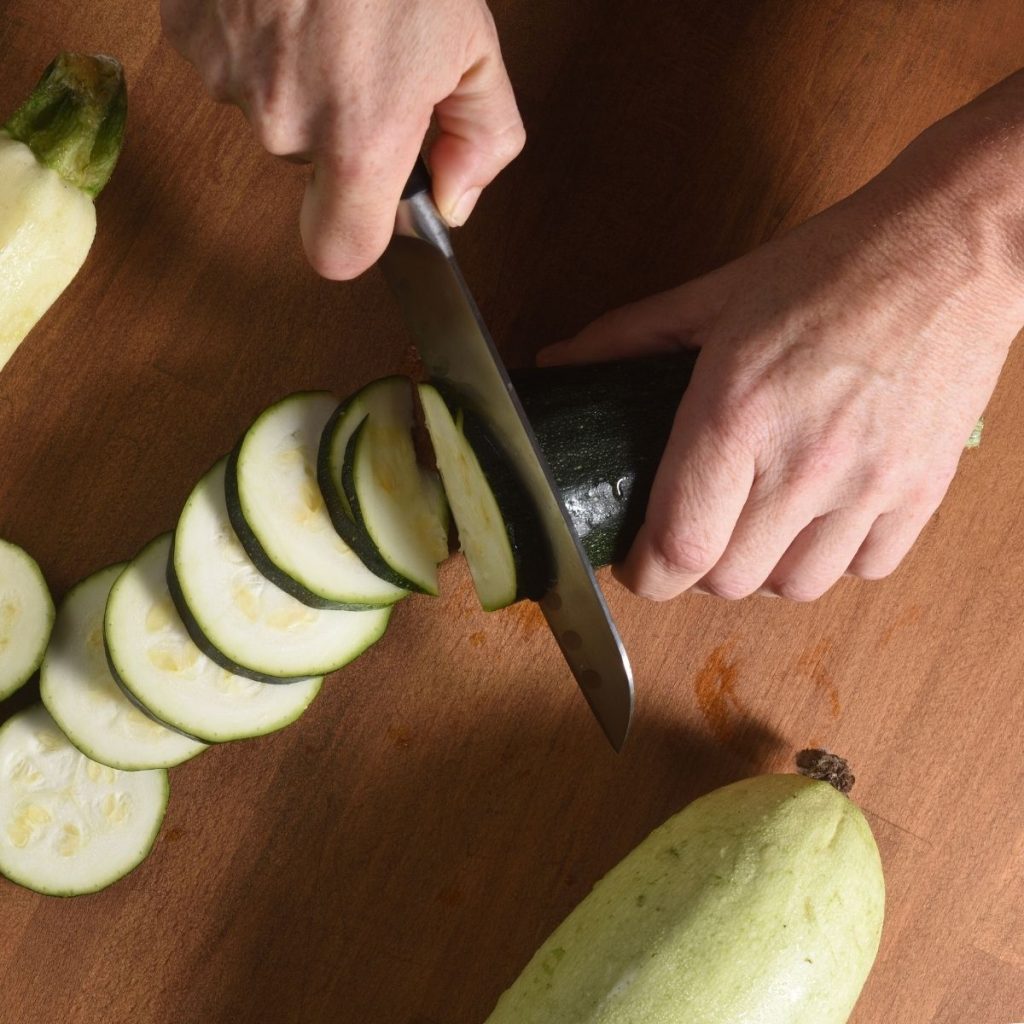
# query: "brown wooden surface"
{"points": [[396, 856]]}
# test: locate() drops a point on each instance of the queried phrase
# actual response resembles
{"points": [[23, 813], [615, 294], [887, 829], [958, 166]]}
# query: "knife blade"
{"points": [[457, 349]]}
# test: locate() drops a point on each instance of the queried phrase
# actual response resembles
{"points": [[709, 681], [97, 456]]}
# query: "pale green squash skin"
{"points": [[760, 903]]}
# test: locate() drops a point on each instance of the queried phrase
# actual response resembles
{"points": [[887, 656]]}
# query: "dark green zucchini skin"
{"points": [[602, 428], [359, 538]]}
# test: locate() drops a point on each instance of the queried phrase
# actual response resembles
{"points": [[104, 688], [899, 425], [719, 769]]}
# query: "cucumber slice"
{"points": [[26, 617], [85, 701], [241, 620], [279, 515], [380, 499], [69, 825], [155, 661], [484, 534]]}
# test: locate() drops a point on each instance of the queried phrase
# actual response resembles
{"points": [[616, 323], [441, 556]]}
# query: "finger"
{"points": [[820, 554], [661, 323], [766, 528], [481, 133], [348, 211], [888, 542], [699, 492]]}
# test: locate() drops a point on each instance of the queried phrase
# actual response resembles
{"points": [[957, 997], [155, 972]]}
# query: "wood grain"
{"points": [[397, 855]]}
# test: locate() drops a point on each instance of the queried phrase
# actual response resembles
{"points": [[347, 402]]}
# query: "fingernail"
{"points": [[464, 207]]}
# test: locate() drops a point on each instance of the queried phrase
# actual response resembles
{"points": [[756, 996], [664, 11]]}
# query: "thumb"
{"points": [[481, 132], [662, 323]]}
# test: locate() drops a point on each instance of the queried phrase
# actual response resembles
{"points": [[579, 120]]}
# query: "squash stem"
{"points": [[825, 767], [73, 121]]}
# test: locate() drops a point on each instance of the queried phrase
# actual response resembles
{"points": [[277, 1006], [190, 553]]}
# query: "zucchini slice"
{"points": [[26, 617], [241, 620], [56, 153], [160, 668], [85, 701], [69, 825], [279, 515], [381, 501], [483, 537]]}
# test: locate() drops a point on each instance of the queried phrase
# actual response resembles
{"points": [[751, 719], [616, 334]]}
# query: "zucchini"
{"points": [[279, 515], [57, 151], [381, 501], [237, 617], [762, 901], [26, 617], [155, 662], [69, 825], [83, 697], [602, 429]]}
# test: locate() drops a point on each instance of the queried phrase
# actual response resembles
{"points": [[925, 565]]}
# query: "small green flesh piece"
{"points": [[73, 121], [762, 901]]}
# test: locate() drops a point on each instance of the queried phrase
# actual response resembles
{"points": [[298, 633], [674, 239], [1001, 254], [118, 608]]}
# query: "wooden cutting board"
{"points": [[396, 856]]}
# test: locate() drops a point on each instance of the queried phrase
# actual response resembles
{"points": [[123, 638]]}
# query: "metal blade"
{"points": [[456, 348]]}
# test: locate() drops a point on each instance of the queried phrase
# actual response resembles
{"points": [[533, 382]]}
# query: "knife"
{"points": [[457, 349]]}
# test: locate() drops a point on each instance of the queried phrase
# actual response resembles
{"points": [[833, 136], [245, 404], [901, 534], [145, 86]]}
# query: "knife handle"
{"points": [[417, 216], [419, 181]]}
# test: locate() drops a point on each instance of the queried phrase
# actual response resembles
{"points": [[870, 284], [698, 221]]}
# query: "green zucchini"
{"points": [[57, 151], [602, 429], [762, 901]]}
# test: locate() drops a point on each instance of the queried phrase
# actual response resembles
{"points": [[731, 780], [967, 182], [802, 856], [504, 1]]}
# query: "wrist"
{"points": [[959, 188]]}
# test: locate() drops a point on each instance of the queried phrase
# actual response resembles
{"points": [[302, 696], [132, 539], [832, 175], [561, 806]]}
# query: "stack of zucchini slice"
{"points": [[221, 630]]}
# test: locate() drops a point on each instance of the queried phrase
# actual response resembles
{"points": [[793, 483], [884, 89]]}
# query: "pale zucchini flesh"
{"points": [[483, 534], [761, 902], [279, 514], [156, 661], [46, 230], [242, 620], [69, 825], [80, 693], [26, 617]]}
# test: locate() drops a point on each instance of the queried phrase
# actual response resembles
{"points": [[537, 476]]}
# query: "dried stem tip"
{"points": [[826, 767]]}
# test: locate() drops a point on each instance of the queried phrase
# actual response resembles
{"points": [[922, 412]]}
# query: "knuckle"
{"points": [[681, 554], [799, 589], [876, 569], [728, 588]]}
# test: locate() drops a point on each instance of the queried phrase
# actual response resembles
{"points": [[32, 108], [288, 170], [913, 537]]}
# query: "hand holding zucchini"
{"points": [[762, 901], [57, 151]]}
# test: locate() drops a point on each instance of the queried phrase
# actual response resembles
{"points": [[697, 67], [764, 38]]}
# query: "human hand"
{"points": [[351, 87], [842, 369]]}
